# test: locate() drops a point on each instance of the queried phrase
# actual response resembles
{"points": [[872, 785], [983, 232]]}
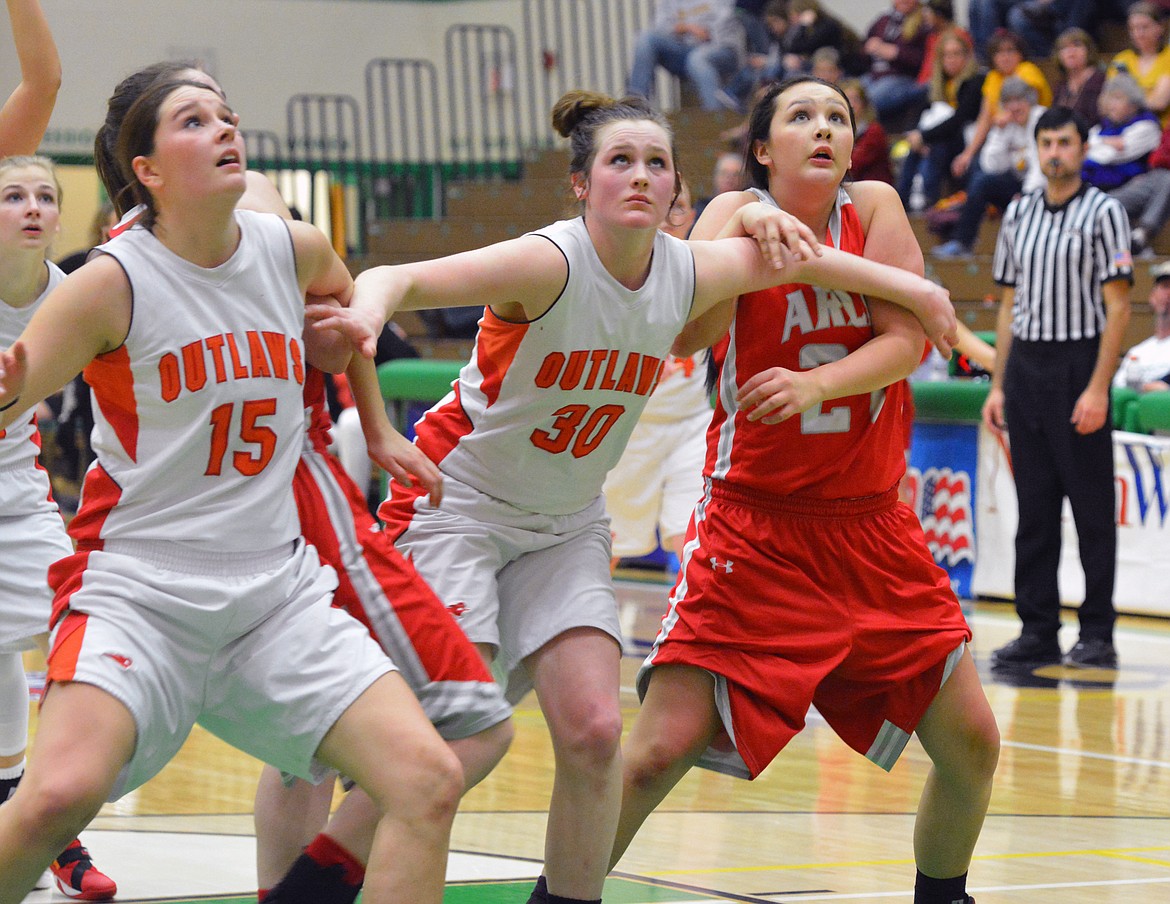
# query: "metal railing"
{"points": [[483, 99], [403, 122], [325, 152], [478, 121], [577, 44]]}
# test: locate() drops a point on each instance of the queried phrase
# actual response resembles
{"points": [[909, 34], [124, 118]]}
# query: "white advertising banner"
{"points": [[1143, 526]]}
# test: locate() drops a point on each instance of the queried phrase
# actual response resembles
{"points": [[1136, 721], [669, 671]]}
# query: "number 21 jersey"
{"points": [[843, 448]]}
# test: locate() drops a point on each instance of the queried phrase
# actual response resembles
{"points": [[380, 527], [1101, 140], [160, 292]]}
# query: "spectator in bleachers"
{"points": [[761, 65], [825, 63], [810, 28], [728, 175], [871, 145], [700, 40], [1008, 58], [985, 18], [1008, 164], [1119, 146], [956, 88], [896, 46], [1081, 75], [939, 16], [1039, 22], [1148, 60], [1146, 366], [1146, 198], [751, 14]]}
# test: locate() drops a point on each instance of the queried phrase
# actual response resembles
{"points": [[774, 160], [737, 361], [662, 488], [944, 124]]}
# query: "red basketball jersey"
{"points": [[842, 448]]}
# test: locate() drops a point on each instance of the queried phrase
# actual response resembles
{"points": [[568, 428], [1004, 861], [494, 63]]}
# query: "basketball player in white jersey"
{"points": [[579, 318], [32, 533], [190, 597], [296, 860]]}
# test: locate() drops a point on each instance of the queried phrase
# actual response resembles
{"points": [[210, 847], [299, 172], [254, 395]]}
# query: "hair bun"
{"points": [[575, 106]]}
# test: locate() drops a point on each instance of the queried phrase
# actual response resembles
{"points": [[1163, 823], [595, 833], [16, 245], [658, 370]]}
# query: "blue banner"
{"points": [[940, 488]]}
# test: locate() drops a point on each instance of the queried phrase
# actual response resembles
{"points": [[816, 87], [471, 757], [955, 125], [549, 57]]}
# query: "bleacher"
{"points": [[415, 198]]}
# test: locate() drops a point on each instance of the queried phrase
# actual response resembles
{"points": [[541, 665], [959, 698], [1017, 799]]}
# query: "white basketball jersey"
{"points": [[19, 443], [199, 415], [543, 410], [682, 391]]}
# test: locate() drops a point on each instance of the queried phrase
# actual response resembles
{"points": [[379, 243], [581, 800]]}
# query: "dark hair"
{"points": [[1058, 118], [125, 94], [944, 8], [760, 122], [579, 115], [136, 139], [1005, 37]]}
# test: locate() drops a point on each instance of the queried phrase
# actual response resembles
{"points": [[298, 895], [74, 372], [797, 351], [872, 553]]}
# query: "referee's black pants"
{"points": [[1050, 461]]}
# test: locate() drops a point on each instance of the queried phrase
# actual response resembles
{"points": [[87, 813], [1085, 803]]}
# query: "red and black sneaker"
{"points": [[78, 878]]}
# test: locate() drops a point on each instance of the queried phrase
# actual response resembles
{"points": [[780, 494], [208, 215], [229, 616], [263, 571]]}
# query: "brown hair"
{"points": [[938, 78], [1076, 36], [1150, 11], [136, 139], [125, 94], [1005, 37], [579, 115]]}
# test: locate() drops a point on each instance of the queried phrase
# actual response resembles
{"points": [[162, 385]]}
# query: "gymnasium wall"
{"points": [[262, 51]]}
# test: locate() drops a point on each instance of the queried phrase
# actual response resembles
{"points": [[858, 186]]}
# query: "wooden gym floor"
{"points": [[1080, 813]]}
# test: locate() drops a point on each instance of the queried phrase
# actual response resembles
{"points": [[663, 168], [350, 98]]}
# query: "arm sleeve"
{"points": [[1111, 238], [1003, 268]]}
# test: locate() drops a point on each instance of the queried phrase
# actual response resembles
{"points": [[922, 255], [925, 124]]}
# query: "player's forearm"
{"points": [[40, 64], [850, 273]]}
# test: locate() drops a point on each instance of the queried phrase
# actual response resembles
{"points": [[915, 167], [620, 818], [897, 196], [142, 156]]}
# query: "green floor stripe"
{"points": [[617, 891]]}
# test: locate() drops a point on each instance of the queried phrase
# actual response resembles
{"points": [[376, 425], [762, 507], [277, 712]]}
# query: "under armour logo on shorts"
{"points": [[725, 566]]}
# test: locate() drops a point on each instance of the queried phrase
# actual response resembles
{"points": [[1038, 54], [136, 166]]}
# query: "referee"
{"points": [[1064, 263]]}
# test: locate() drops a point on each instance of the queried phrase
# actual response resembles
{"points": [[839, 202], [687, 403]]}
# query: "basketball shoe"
{"points": [[76, 876]]}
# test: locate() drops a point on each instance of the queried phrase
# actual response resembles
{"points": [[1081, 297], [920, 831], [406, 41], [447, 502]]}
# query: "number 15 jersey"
{"points": [[199, 414]]}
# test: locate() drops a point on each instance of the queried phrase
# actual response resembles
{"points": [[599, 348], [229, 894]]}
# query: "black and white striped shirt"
{"points": [[1056, 258]]}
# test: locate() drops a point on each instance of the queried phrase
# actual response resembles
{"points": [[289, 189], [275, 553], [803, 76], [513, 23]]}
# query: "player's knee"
{"points": [[594, 738], [437, 796], [60, 804], [985, 747], [645, 766], [977, 741]]}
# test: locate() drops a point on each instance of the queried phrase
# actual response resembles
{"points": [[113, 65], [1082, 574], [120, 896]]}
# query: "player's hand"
{"points": [[406, 463], [776, 394], [780, 235], [993, 417], [359, 327], [937, 316]]}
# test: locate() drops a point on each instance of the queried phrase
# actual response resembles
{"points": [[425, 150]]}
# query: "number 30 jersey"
{"points": [[843, 448], [543, 409], [199, 414]]}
